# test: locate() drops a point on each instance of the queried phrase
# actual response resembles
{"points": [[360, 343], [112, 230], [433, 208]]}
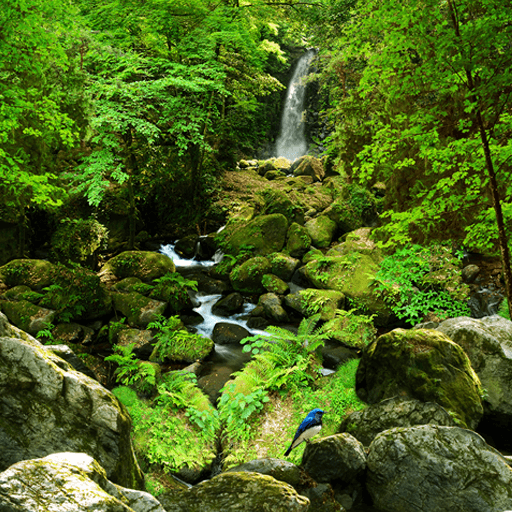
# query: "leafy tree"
{"points": [[431, 89], [39, 78]]}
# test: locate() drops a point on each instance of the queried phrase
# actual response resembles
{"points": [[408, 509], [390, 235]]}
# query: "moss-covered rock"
{"points": [[28, 316], [422, 364], [37, 274], [247, 278], [321, 229], [325, 302], [145, 265], [310, 166], [138, 309], [266, 234], [283, 265], [272, 308], [274, 284], [298, 240], [351, 274], [260, 493], [277, 201]]}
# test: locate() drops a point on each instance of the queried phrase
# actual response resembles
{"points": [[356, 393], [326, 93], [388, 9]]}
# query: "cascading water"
{"points": [[291, 142]]}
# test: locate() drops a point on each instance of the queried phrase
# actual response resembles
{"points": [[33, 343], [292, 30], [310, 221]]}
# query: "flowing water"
{"points": [[292, 142]]}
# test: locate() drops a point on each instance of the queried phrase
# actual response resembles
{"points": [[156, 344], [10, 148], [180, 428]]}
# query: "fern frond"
{"points": [[307, 326]]}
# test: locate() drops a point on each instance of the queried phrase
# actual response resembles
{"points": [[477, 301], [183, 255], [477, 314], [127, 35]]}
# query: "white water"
{"points": [[291, 142], [169, 251]]}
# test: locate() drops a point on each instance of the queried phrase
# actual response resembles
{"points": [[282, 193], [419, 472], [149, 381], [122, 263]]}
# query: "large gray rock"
{"points": [[340, 458], [366, 424], [279, 469], [230, 492], [46, 407], [430, 468], [488, 344], [68, 482]]}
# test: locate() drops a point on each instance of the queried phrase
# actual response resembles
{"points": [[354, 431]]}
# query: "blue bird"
{"points": [[310, 426]]}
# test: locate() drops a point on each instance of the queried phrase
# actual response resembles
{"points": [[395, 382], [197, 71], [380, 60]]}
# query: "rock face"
{"points": [[488, 344], [366, 424], [443, 469], [247, 491], [68, 482], [145, 265], [47, 407], [421, 364]]}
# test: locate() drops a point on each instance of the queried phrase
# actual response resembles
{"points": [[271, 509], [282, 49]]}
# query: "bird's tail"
{"points": [[287, 452]]}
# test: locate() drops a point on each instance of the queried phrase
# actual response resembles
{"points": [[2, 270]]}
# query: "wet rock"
{"points": [[321, 229], [298, 241], [68, 482], [247, 277], [225, 333], [272, 308], [227, 306], [470, 273], [437, 468], [366, 424]]}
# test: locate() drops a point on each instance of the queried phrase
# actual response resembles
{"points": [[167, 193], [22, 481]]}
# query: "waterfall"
{"points": [[291, 142]]}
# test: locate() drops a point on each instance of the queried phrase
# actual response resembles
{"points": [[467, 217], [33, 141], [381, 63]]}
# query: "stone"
{"points": [[274, 284], [146, 265], [28, 316], [246, 278], [470, 273], [138, 309], [298, 240], [228, 305], [421, 364], [272, 308], [309, 166], [488, 344], [46, 406], [283, 265], [37, 274], [325, 302], [225, 333], [437, 468], [321, 229], [243, 490], [143, 341], [279, 469], [340, 458], [68, 482], [266, 233], [366, 424]]}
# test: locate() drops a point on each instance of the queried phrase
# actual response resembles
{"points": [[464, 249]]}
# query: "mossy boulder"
{"points": [[174, 294], [37, 274], [283, 265], [421, 364], [247, 278], [356, 241], [274, 284], [272, 308], [28, 316], [145, 265], [310, 166], [325, 302], [321, 229], [277, 201], [298, 240], [138, 309], [229, 491], [266, 234], [352, 274]]}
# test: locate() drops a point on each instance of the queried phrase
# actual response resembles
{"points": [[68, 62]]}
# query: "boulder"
{"points": [[279, 469], [228, 305], [37, 274], [266, 233], [298, 240], [68, 482], [225, 333], [339, 458], [488, 344], [321, 230], [46, 407], [230, 492], [272, 308], [366, 424], [143, 341], [28, 316], [283, 265], [145, 265], [274, 284], [436, 468], [247, 277], [325, 302], [138, 309], [422, 364], [310, 166]]}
